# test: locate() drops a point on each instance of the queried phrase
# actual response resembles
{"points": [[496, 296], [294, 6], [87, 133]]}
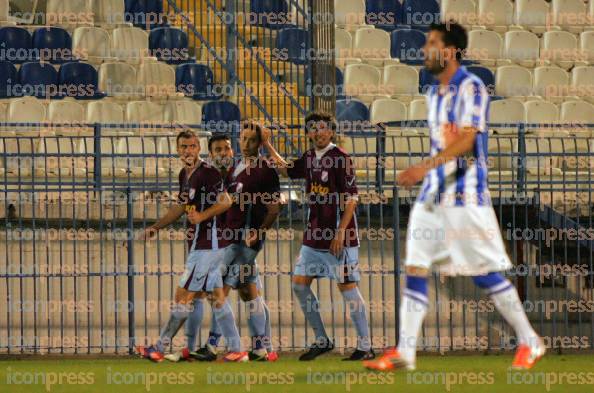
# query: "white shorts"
{"points": [[459, 240], [203, 270]]}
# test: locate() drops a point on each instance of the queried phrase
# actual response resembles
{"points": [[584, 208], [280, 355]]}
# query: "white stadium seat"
{"points": [[118, 80], [349, 13], [108, 113], [138, 166], [418, 109], [91, 44], [26, 110], [386, 110], [361, 80], [485, 46], [59, 166], [4, 13], [496, 15], [130, 44], [401, 81], [532, 15], [144, 112], [551, 82], [109, 146], [372, 45], [156, 79], [67, 112], [462, 11], [508, 112], [69, 13], [513, 81], [582, 83], [577, 112], [541, 112], [182, 112], [587, 47], [522, 47], [559, 47], [343, 42], [570, 15], [109, 13]]}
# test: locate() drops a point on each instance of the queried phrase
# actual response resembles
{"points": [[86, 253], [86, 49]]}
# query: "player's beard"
{"points": [[435, 66]]}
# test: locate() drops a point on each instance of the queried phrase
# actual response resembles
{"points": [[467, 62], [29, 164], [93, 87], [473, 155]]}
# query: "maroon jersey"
{"points": [[200, 191], [329, 181], [251, 188]]}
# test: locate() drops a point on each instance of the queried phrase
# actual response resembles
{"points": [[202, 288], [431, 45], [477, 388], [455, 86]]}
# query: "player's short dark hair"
{"points": [[185, 134], [317, 116], [216, 138], [253, 125], [454, 35]]}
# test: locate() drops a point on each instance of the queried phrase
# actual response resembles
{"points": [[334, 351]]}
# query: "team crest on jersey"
{"points": [[192, 193], [324, 176], [239, 187]]}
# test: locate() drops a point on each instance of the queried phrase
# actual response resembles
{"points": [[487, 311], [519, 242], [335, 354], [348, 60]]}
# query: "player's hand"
{"points": [[412, 176], [265, 136], [337, 243], [150, 233], [251, 237], [195, 217]]}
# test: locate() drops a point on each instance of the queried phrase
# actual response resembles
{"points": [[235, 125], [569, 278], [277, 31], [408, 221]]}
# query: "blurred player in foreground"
{"points": [[455, 201]]}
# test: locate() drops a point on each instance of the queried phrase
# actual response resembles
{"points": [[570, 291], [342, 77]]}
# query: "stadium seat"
{"points": [[109, 13], [72, 114], [462, 11], [53, 44], [147, 113], [362, 81], [407, 46], [560, 48], [533, 15], [118, 80], [513, 81], [404, 151], [69, 13], [141, 160], [18, 41], [383, 14], [108, 146], [386, 110], [182, 112], [339, 83], [8, 78], [587, 47], [485, 75], [485, 46], [419, 14], [221, 116], [507, 113], [295, 42], [63, 164], [496, 15], [401, 82], [343, 43], [351, 114], [582, 83], [4, 13], [542, 158], [146, 14], [570, 15], [26, 110], [108, 113], [130, 44], [372, 46], [79, 80], [157, 80], [196, 81], [522, 47], [426, 80], [169, 45], [270, 13], [39, 80], [418, 110], [349, 14], [541, 112], [91, 44], [577, 113], [551, 82]]}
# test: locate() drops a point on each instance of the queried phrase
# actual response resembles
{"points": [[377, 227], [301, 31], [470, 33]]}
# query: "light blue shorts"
{"points": [[239, 266], [321, 263], [203, 271]]}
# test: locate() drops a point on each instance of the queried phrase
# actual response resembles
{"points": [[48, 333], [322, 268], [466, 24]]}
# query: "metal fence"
{"points": [[77, 276]]}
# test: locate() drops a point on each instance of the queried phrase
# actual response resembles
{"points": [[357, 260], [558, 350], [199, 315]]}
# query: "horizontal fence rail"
{"points": [[77, 276]]}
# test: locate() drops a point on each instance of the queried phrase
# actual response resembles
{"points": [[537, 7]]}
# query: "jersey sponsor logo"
{"points": [[319, 189]]}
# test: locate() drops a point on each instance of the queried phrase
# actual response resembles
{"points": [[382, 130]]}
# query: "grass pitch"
{"points": [[490, 374]]}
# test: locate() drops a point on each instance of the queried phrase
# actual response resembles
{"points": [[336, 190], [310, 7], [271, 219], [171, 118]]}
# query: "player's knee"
{"points": [[488, 280]]}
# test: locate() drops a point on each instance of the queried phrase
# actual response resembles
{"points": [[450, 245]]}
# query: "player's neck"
{"points": [[446, 75]]}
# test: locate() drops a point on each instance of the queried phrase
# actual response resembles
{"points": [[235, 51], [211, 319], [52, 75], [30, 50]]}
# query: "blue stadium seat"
{"points": [[79, 80], [53, 44], [383, 14], [426, 79], [407, 46], [169, 45], [17, 40], [486, 76], [263, 9], [221, 117], [196, 81], [419, 14], [351, 111], [144, 13], [295, 42], [39, 80], [8, 79]]}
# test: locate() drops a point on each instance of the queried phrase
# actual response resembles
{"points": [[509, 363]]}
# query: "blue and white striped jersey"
{"points": [[464, 103]]}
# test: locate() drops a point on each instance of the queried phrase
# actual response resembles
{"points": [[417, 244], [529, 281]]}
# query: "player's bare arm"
{"points": [[172, 215], [459, 144], [279, 162], [224, 202]]}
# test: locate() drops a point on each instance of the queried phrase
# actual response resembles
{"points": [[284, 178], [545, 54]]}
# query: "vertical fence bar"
{"points": [[130, 243]]}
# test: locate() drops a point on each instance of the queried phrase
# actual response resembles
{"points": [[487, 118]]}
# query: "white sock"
{"points": [[509, 305], [412, 313]]}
